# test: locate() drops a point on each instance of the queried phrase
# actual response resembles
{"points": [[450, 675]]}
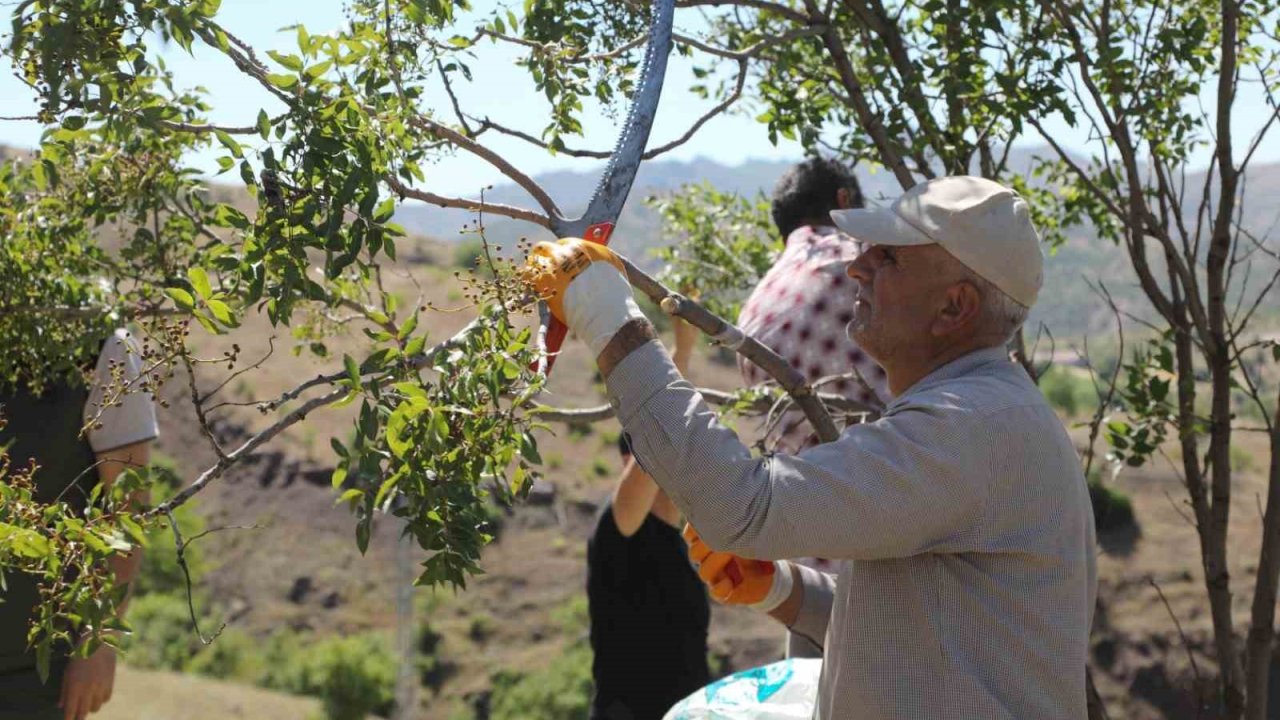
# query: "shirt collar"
{"points": [[963, 365]]}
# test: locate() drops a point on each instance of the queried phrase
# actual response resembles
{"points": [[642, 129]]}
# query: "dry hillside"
{"points": [[300, 568]]}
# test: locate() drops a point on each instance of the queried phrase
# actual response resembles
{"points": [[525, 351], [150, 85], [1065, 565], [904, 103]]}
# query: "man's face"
{"points": [[900, 291]]}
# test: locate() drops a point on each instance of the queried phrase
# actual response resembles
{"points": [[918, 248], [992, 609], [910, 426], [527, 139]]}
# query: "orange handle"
{"points": [[556, 330]]}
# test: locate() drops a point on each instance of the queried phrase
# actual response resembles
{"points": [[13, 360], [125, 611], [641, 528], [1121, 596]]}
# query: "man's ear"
{"points": [[844, 199], [960, 310]]}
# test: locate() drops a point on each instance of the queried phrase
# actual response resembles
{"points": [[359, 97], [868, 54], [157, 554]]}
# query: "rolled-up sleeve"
{"points": [[892, 488], [131, 418]]}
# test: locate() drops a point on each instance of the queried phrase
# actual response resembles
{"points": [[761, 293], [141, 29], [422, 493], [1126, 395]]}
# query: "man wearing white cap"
{"points": [[961, 517]]}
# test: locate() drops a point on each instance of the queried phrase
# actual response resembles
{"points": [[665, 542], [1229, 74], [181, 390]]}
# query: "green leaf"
{"points": [[415, 346], [134, 529], [385, 210], [23, 541], [181, 297], [362, 533], [227, 216], [353, 370], [339, 476], [529, 448], [229, 143], [284, 82], [292, 62], [200, 282], [396, 426], [351, 495], [222, 312], [408, 327], [207, 322], [318, 69], [388, 485], [264, 124]]}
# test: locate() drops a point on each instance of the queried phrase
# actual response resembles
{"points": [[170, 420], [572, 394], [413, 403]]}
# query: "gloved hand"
{"points": [[585, 285], [735, 580]]}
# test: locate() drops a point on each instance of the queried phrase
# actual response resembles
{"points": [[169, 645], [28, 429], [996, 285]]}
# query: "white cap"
{"points": [[983, 224]]}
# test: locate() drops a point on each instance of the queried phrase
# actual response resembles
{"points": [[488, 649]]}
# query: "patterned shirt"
{"points": [[960, 519], [800, 310]]}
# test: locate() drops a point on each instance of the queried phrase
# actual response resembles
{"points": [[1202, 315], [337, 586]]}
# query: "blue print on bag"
{"points": [[773, 677], [768, 680]]}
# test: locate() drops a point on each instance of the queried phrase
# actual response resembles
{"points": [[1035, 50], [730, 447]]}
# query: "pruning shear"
{"points": [[597, 223]]}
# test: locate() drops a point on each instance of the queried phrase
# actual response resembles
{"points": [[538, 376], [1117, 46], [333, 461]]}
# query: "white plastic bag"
{"points": [[785, 690]]}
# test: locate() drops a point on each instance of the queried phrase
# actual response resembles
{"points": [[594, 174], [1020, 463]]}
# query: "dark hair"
{"points": [[807, 192], [624, 445]]}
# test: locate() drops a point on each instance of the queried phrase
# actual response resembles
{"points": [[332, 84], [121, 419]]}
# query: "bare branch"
{"points": [[500, 163], [1185, 644], [468, 204], [271, 348], [453, 99]]}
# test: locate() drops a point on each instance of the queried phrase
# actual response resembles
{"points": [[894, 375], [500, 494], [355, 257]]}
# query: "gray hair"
{"points": [[1000, 313]]}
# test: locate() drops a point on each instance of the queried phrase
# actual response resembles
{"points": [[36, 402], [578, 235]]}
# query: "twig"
{"points": [[1104, 399], [1186, 645], [186, 574], [199, 408], [271, 348], [457, 109]]}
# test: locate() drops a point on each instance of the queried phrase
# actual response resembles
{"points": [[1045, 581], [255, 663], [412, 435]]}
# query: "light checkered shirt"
{"points": [[962, 522]]}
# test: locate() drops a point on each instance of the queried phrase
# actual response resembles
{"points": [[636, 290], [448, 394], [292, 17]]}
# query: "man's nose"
{"points": [[860, 268]]}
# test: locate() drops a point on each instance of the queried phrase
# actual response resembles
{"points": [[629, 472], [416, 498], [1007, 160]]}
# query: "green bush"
{"points": [[1112, 509], [162, 635], [1069, 392], [353, 676], [233, 655], [561, 691]]}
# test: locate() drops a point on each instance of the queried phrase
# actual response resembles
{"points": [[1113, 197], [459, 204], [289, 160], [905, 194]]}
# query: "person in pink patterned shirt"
{"points": [[802, 305]]}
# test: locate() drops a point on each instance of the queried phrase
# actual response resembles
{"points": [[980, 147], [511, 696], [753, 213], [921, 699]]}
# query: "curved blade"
{"points": [[596, 224], [610, 195]]}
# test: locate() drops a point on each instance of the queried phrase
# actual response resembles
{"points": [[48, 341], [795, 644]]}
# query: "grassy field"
{"points": [[158, 695]]}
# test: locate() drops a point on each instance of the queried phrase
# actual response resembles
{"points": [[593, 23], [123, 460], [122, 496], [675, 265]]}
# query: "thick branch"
{"points": [[869, 120], [712, 396], [791, 380]]}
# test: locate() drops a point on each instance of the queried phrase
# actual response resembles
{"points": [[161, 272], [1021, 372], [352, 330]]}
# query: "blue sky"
{"points": [[501, 90]]}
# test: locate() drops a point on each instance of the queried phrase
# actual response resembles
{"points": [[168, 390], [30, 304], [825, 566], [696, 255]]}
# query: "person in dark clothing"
{"points": [[649, 611], [46, 429]]}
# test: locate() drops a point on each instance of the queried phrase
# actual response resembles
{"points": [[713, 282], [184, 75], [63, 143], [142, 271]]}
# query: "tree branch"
{"points": [[775, 8], [497, 161], [791, 380], [510, 211]]}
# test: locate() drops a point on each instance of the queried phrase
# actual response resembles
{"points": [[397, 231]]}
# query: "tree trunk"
{"points": [[1262, 625]]}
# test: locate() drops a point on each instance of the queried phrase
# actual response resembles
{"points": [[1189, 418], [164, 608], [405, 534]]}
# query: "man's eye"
{"points": [[889, 256]]}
